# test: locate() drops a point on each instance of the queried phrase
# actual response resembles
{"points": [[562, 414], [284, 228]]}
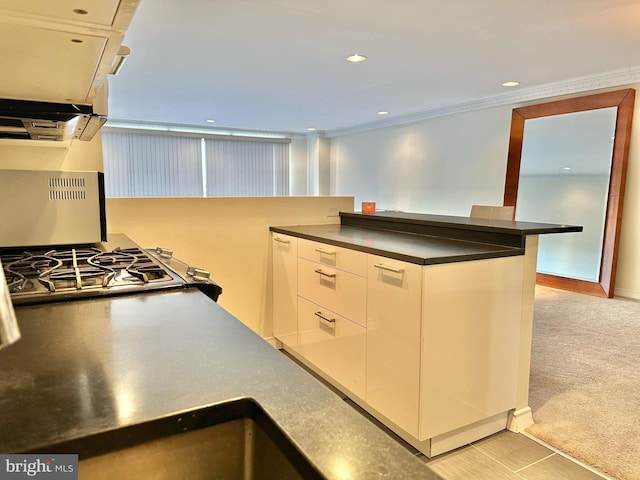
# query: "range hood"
{"points": [[32, 120]]}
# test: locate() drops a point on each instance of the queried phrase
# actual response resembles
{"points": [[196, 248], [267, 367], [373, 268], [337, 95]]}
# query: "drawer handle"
{"points": [[388, 269], [281, 240], [325, 252], [330, 275], [322, 317]]}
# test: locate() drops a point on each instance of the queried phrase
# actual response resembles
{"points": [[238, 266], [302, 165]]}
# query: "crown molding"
{"points": [[614, 78], [140, 125]]}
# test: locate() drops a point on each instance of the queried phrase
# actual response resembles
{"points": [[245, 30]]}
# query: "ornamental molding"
{"points": [[614, 78]]}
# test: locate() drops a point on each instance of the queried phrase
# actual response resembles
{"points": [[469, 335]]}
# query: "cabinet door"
{"points": [[285, 285], [393, 340], [470, 341], [332, 343]]}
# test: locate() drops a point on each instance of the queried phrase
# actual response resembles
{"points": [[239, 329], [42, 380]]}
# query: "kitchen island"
{"points": [[423, 320], [99, 365]]}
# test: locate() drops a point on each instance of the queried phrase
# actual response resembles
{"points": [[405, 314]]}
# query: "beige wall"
{"points": [[628, 276], [446, 164], [227, 236]]}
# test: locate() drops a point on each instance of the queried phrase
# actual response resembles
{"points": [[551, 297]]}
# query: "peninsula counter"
{"points": [[423, 320]]}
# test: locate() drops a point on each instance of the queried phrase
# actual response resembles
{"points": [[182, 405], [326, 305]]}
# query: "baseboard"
{"points": [[621, 292], [520, 419], [273, 341], [468, 434]]}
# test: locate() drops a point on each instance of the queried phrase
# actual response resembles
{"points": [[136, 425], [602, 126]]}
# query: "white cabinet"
{"points": [[319, 307], [431, 350], [333, 344], [394, 302], [285, 288]]}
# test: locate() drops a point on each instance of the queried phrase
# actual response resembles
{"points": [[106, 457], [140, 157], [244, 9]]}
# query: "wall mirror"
{"points": [[567, 164]]}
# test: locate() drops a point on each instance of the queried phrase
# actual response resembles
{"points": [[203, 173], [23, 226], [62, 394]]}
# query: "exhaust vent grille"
{"points": [[67, 195], [67, 189], [69, 182], [44, 124]]}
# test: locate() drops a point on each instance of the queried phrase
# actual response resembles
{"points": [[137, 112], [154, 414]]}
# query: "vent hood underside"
{"points": [[29, 120]]}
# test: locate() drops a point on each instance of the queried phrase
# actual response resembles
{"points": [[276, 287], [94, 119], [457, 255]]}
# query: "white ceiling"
{"points": [[280, 64]]}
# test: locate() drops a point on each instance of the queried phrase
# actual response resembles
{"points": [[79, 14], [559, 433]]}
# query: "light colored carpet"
{"points": [[585, 379]]}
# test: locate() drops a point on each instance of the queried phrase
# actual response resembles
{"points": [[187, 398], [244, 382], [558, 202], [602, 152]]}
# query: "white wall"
{"points": [[444, 165], [441, 165], [298, 166]]}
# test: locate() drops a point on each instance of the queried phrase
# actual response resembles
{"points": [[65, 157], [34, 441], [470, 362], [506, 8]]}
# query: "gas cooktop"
{"points": [[47, 274]]}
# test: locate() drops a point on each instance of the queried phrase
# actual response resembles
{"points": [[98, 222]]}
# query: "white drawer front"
{"points": [[333, 344], [332, 256], [337, 290]]}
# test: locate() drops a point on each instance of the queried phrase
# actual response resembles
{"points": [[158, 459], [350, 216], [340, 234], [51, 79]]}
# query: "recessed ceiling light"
{"points": [[356, 58], [510, 84], [382, 112], [210, 120], [311, 129], [566, 168]]}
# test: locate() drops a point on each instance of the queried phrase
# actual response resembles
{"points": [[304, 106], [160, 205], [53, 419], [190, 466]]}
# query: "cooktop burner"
{"points": [[116, 259], [50, 274], [40, 274]]}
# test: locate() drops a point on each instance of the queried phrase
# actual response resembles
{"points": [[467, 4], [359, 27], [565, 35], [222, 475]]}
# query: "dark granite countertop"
{"points": [[87, 366], [464, 223], [426, 239], [413, 248]]}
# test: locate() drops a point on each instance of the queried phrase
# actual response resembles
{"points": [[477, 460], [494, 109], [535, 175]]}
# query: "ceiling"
{"points": [[279, 65]]}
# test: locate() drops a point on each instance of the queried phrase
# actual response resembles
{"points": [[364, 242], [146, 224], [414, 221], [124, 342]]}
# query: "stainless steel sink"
{"points": [[233, 440]]}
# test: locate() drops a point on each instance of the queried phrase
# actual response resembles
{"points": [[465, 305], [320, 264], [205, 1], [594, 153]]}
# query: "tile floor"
{"points": [[503, 456], [508, 456]]}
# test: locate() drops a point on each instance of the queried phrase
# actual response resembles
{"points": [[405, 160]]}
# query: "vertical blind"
{"points": [[246, 169], [151, 165]]}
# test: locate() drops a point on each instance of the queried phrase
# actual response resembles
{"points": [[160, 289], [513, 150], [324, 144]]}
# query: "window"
{"points": [[161, 165]]}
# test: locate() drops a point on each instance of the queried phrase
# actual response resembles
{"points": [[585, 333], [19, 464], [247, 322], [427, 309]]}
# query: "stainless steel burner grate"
{"points": [[80, 269]]}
